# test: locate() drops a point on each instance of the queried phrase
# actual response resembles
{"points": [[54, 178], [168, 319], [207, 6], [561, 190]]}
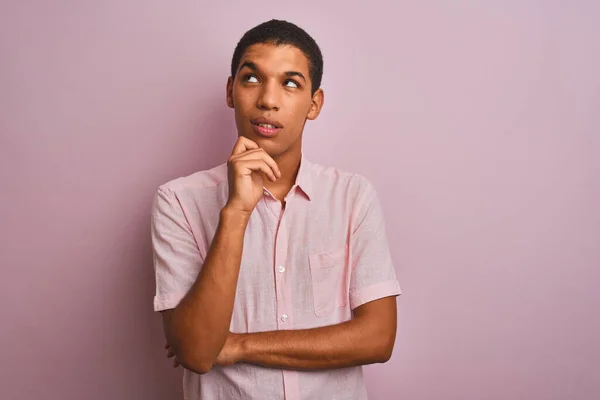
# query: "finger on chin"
{"points": [[244, 144]]}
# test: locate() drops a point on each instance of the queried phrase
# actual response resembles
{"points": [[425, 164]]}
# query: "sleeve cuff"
{"points": [[374, 292], [167, 301]]}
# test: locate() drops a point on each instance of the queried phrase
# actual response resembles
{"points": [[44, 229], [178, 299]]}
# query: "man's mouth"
{"points": [[266, 128], [266, 123], [269, 126]]}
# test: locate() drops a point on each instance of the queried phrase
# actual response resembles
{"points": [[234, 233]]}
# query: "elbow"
{"points": [[203, 367], [197, 367], [190, 358], [384, 349], [190, 354], [384, 355], [194, 362]]}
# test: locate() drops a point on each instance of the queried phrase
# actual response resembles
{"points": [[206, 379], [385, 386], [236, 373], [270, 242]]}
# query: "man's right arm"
{"points": [[197, 328]]}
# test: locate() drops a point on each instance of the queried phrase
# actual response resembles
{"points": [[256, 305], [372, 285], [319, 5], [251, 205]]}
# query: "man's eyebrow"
{"points": [[254, 67], [250, 65], [295, 73]]}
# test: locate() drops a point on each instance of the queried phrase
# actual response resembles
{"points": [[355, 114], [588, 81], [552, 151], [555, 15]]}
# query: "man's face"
{"points": [[271, 96]]}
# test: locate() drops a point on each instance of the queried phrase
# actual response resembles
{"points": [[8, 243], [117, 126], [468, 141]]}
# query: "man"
{"points": [[273, 274]]}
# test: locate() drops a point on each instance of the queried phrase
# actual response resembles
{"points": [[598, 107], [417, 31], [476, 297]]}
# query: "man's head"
{"points": [[274, 86]]}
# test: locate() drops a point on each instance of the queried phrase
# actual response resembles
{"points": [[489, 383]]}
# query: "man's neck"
{"points": [[289, 164]]}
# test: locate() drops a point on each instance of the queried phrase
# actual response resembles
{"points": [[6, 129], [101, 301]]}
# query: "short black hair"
{"points": [[281, 33]]}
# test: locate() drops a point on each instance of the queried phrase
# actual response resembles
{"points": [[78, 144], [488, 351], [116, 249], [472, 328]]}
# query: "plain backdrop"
{"points": [[477, 121]]}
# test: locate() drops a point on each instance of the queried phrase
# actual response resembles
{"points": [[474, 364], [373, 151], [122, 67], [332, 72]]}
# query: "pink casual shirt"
{"points": [[303, 266]]}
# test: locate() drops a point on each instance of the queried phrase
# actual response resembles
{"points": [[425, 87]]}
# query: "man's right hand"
{"points": [[246, 168]]}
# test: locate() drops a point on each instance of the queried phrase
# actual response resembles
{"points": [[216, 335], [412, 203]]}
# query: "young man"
{"points": [[273, 274]]}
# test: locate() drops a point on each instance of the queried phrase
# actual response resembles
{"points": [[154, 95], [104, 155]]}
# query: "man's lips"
{"points": [[266, 123], [266, 127], [265, 130]]}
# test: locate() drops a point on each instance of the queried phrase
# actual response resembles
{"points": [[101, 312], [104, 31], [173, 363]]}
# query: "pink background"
{"points": [[478, 122]]}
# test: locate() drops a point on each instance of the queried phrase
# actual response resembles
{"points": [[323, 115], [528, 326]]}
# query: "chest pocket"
{"points": [[328, 278]]}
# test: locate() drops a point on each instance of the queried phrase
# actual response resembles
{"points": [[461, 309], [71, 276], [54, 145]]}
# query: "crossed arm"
{"points": [[367, 338]]}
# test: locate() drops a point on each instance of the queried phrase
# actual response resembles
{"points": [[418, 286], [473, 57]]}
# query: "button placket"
{"points": [[283, 301]]}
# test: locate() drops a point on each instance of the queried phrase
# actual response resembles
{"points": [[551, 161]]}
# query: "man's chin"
{"points": [[267, 144], [272, 146]]}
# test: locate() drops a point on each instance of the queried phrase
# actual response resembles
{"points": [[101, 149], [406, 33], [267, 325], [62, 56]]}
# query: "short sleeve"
{"points": [[372, 270], [176, 257]]}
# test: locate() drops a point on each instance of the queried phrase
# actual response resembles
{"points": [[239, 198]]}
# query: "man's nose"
{"points": [[269, 97]]}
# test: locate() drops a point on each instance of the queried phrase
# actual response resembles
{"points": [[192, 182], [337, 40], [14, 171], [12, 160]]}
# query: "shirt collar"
{"points": [[304, 177]]}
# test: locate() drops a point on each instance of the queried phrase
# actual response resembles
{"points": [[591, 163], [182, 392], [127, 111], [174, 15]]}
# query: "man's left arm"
{"points": [[366, 339]]}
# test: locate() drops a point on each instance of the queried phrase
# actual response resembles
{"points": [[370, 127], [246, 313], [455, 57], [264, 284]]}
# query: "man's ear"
{"points": [[316, 104], [229, 93]]}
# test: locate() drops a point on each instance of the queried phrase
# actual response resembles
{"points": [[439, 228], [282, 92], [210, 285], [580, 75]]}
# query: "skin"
{"points": [[266, 85], [271, 82]]}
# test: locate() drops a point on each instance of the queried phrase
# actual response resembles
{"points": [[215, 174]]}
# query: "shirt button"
{"points": [[284, 317], [281, 268]]}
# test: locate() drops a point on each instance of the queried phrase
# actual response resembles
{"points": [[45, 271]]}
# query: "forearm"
{"points": [[352, 343], [211, 298]]}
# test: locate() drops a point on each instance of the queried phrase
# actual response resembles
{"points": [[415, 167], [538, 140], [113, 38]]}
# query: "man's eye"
{"points": [[291, 83], [251, 79]]}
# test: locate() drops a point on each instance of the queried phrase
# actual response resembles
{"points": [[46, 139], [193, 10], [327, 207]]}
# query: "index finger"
{"points": [[243, 144]]}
